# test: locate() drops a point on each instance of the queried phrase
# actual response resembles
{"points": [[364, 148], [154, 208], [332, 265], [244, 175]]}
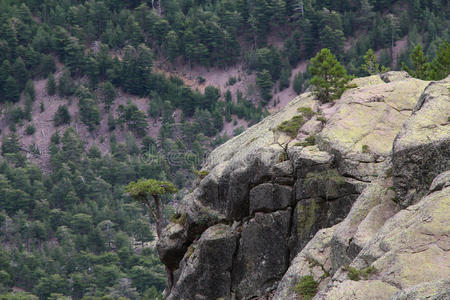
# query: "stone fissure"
{"points": [[234, 258]]}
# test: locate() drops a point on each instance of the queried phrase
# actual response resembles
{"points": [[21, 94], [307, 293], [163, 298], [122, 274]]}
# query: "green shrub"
{"points": [[306, 288], [30, 130], [232, 80], [322, 119], [307, 112], [365, 149], [62, 116], [237, 131], [201, 80], [201, 174], [292, 126], [178, 219], [309, 141], [355, 274]]}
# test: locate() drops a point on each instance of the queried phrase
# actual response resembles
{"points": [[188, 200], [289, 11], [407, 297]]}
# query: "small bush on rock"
{"points": [[355, 274], [307, 112], [178, 219], [292, 126], [306, 288]]}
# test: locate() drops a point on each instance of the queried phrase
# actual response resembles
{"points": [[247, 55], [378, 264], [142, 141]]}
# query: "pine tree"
{"points": [[420, 63], [440, 66], [371, 66], [62, 116], [292, 48], [298, 83], [90, 113], [20, 72], [51, 85], [46, 66], [284, 78], [172, 45], [366, 13], [149, 193], [5, 71], [332, 39], [329, 76], [265, 84], [109, 94], [308, 38], [11, 90], [29, 90], [66, 86]]}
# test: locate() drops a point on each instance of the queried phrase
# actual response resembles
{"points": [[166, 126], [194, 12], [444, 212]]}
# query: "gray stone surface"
{"points": [[394, 76], [440, 182], [369, 212], [433, 290], [422, 148], [413, 246], [171, 246], [269, 197], [206, 266], [313, 260], [262, 256]]}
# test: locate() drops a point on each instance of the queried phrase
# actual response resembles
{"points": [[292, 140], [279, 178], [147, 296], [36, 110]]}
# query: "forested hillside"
{"points": [[95, 94]]}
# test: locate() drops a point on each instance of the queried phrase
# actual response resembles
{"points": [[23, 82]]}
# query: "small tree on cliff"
{"points": [[329, 76], [149, 193], [371, 66]]}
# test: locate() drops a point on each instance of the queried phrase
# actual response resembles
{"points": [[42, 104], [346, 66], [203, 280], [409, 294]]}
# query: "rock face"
{"points": [[437, 290], [273, 210], [208, 262], [262, 257], [422, 148]]}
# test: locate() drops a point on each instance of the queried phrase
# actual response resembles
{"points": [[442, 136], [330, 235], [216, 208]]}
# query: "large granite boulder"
{"points": [[362, 125], [422, 148], [263, 255], [205, 268], [413, 246], [268, 197]]}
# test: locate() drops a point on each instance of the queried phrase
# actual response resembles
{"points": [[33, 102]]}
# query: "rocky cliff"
{"points": [[355, 206]]}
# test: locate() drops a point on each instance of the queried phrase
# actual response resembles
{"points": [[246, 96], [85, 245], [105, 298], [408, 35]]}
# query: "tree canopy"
{"points": [[329, 76]]}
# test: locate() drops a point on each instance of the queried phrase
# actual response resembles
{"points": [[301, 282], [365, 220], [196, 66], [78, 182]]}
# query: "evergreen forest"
{"points": [[92, 97]]}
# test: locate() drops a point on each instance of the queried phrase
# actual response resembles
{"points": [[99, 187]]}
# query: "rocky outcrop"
{"points": [[207, 262], [401, 257], [413, 246], [364, 122], [273, 209], [422, 148]]}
